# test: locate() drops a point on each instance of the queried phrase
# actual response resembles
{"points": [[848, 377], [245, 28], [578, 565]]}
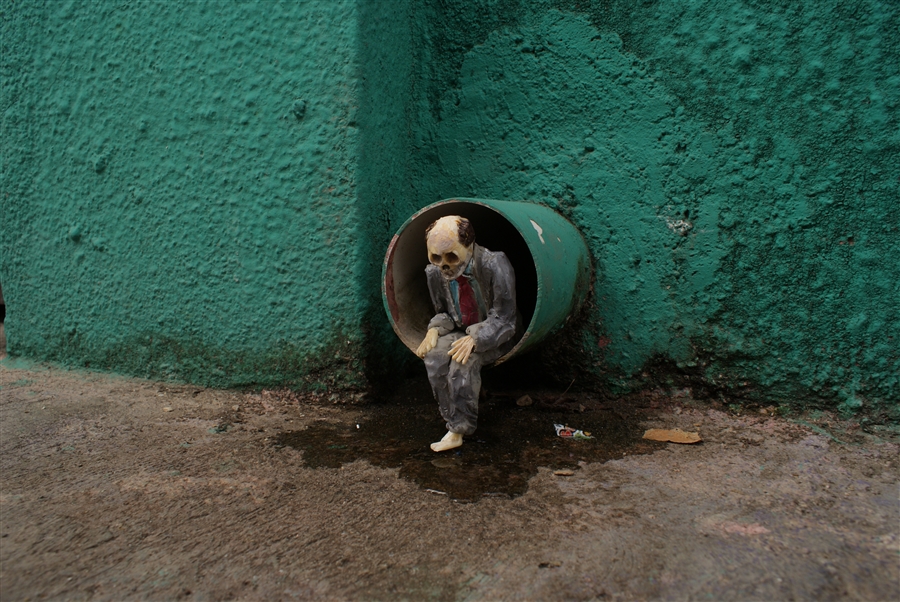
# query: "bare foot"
{"points": [[450, 441]]}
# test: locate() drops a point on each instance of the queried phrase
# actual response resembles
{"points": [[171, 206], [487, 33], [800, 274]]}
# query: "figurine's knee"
{"points": [[437, 365], [438, 360], [436, 355]]}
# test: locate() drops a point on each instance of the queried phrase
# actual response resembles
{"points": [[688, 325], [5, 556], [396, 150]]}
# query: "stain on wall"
{"points": [[205, 191]]}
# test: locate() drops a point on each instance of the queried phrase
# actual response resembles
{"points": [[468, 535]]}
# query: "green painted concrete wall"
{"points": [[205, 190], [389, 53], [180, 188], [733, 165]]}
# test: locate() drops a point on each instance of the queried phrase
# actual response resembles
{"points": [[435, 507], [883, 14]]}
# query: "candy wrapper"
{"points": [[569, 433]]}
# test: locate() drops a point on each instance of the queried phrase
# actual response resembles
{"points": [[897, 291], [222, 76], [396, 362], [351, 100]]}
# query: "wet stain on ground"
{"points": [[511, 442]]}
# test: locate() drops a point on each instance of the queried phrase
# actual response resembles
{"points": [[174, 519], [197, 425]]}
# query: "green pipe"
{"points": [[548, 254]]}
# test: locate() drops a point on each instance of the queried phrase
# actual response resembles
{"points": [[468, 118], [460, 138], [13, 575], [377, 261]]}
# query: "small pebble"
{"points": [[524, 401], [550, 565], [167, 409], [235, 408]]}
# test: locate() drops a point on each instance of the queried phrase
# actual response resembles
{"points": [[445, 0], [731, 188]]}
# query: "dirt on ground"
{"points": [[114, 488]]}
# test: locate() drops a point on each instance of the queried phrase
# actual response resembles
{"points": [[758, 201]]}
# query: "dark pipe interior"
{"points": [[492, 231]]}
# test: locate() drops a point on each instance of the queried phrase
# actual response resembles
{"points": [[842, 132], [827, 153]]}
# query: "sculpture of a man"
{"points": [[473, 291]]}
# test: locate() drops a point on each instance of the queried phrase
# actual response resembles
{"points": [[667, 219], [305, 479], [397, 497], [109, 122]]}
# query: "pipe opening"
{"points": [[406, 291]]}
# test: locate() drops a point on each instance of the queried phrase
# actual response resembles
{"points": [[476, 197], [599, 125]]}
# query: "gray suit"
{"points": [[456, 386]]}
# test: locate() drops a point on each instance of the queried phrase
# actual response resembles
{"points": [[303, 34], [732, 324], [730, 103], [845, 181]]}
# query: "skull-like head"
{"points": [[449, 241]]}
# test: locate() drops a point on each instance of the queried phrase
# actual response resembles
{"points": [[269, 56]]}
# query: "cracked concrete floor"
{"points": [[114, 488]]}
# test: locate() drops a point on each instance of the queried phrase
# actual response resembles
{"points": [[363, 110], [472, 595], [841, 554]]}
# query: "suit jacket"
{"points": [[494, 284]]}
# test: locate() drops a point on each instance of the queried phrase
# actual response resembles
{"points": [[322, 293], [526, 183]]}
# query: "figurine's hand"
{"points": [[461, 349], [428, 343]]}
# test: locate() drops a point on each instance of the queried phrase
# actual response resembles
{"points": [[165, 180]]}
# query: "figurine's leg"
{"points": [[465, 386], [437, 364], [455, 389]]}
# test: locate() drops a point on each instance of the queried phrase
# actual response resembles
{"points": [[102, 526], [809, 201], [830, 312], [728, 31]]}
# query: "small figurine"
{"points": [[474, 295]]}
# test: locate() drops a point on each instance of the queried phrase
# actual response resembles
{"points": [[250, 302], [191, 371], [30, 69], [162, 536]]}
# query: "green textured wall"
{"points": [[388, 55], [205, 190], [733, 165], [179, 188]]}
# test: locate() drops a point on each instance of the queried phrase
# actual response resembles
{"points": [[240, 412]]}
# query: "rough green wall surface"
{"points": [[733, 167], [205, 190], [179, 187], [388, 55]]}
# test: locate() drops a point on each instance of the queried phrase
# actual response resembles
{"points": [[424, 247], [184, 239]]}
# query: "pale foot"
{"points": [[450, 441]]}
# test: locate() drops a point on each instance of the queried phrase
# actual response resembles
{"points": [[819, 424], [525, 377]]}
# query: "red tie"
{"points": [[468, 307]]}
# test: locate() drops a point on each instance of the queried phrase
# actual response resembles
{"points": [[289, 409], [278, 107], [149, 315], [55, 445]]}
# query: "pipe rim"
{"points": [[387, 269]]}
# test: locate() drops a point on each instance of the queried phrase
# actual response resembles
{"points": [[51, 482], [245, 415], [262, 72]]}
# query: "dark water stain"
{"points": [[511, 442]]}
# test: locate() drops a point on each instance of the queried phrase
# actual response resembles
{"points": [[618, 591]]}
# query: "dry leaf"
{"points": [[673, 435]]}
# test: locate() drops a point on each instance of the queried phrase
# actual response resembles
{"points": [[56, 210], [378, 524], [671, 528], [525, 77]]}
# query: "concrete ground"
{"points": [[114, 488]]}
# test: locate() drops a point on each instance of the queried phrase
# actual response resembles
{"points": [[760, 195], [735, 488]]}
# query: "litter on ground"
{"points": [[569, 433]]}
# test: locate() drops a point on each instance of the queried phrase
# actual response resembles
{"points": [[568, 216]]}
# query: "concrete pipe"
{"points": [[549, 256]]}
